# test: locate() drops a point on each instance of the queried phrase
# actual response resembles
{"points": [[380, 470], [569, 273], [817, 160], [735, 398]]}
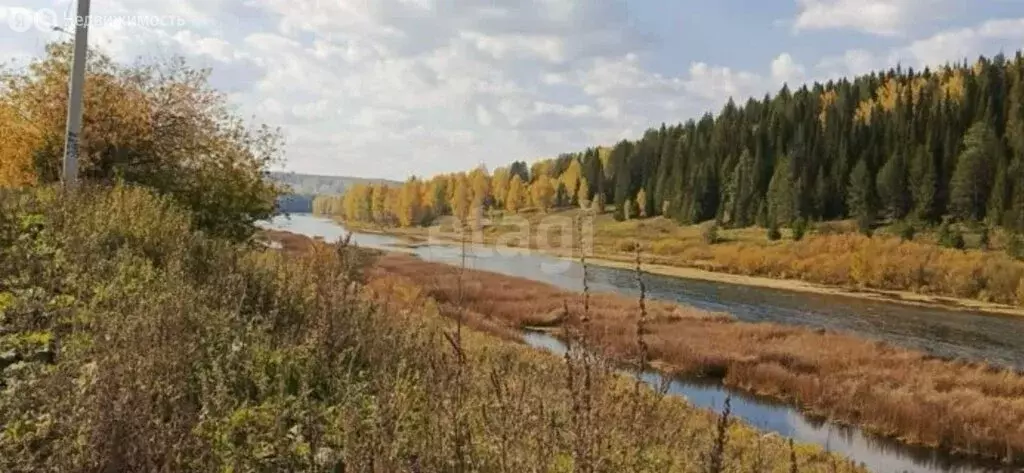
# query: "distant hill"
{"points": [[312, 184], [304, 187]]}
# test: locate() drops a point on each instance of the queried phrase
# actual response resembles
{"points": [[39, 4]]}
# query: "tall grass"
{"points": [[970, 407], [166, 350]]}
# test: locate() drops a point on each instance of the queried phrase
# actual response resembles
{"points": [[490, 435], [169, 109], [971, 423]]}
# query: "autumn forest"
{"points": [[952, 136]]}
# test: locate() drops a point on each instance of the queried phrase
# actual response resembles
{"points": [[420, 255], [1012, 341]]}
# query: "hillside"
{"points": [[304, 187], [313, 184]]}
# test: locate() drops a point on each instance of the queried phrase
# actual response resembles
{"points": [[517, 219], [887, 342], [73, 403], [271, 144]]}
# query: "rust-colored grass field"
{"points": [[967, 407]]}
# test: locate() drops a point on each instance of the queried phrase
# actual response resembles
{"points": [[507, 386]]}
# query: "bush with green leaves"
{"points": [[799, 229], [905, 230], [709, 232], [950, 237]]}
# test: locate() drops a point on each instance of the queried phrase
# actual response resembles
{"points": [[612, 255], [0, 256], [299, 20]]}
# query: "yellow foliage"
{"points": [[828, 98], [951, 83], [864, 109], [542, 192], [19, 138]]}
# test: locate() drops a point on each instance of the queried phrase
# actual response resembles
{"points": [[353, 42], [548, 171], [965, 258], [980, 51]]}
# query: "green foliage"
{"points": [[905, 230], [709, 232], [950, 237], [1015, 247], [861, 198], [799, 229], [972, 179], [892, 187], [781, 193], [893, 144]]}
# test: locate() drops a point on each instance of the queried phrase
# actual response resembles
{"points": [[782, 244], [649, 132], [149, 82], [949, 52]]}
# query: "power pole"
{"points": [[75, 95]]}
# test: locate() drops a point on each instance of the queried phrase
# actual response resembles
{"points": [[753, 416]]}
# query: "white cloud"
{"points": [[851, 63], [880, 17], [963, 43], [548, 48], [786, 70], [391, 87]]}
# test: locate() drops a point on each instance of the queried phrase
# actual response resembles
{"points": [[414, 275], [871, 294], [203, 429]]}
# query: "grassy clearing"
{"points": [[962, 406], [132, 343]]}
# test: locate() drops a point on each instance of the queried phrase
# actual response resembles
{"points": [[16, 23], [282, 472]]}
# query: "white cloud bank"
{"points": [[388, 88]]}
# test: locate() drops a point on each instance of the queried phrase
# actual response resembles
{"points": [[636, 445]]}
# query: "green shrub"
{"points": [[950, 237], [709, 233], [1015, 247], [905, 230], [799, 229], [984, 238]]}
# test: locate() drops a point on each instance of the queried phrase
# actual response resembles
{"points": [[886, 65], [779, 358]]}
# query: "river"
{"points": [[950, 334]]}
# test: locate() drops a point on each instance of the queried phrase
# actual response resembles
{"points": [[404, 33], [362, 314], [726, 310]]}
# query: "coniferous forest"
{"points": [[903, 144]]}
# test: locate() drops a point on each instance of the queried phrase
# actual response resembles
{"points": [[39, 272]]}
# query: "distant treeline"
{"points": [[295, 203], [902, 144]]}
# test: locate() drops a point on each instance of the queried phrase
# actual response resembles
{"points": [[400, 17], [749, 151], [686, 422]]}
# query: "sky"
{"points": [[394, 88]]}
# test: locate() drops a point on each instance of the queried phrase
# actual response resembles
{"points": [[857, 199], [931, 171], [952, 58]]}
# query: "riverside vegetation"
{"points": [[133, 342], [143, 328], [963, 406], [934, 153], [830, 253]]}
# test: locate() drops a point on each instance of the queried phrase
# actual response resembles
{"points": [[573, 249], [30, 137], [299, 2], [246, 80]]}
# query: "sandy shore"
{"points": [[896, 297]]}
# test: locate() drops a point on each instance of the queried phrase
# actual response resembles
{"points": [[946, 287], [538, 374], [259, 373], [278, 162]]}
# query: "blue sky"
{"points": [[390, 88]]}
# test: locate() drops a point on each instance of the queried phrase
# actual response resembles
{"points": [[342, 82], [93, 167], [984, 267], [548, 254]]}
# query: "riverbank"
{"points": [[417, 236], [920, 399], [966, 407]]}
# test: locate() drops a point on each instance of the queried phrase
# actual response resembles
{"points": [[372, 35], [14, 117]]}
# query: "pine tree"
{"points": [[740, 192], [781, 194], [861, 199], [923, 183], [892, 187], [971, 182]]}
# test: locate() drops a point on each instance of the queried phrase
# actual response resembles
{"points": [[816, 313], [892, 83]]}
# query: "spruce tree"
{"points": [[861, 199], [781, 194], [923, 182], [971, 182], [892, 187]]}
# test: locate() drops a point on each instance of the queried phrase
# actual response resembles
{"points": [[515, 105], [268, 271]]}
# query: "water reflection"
{"points": [[877, 453]]}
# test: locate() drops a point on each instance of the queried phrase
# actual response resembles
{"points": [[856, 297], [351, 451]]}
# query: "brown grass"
{"points": [[957, 405], [140, 345], [831, 254]]}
